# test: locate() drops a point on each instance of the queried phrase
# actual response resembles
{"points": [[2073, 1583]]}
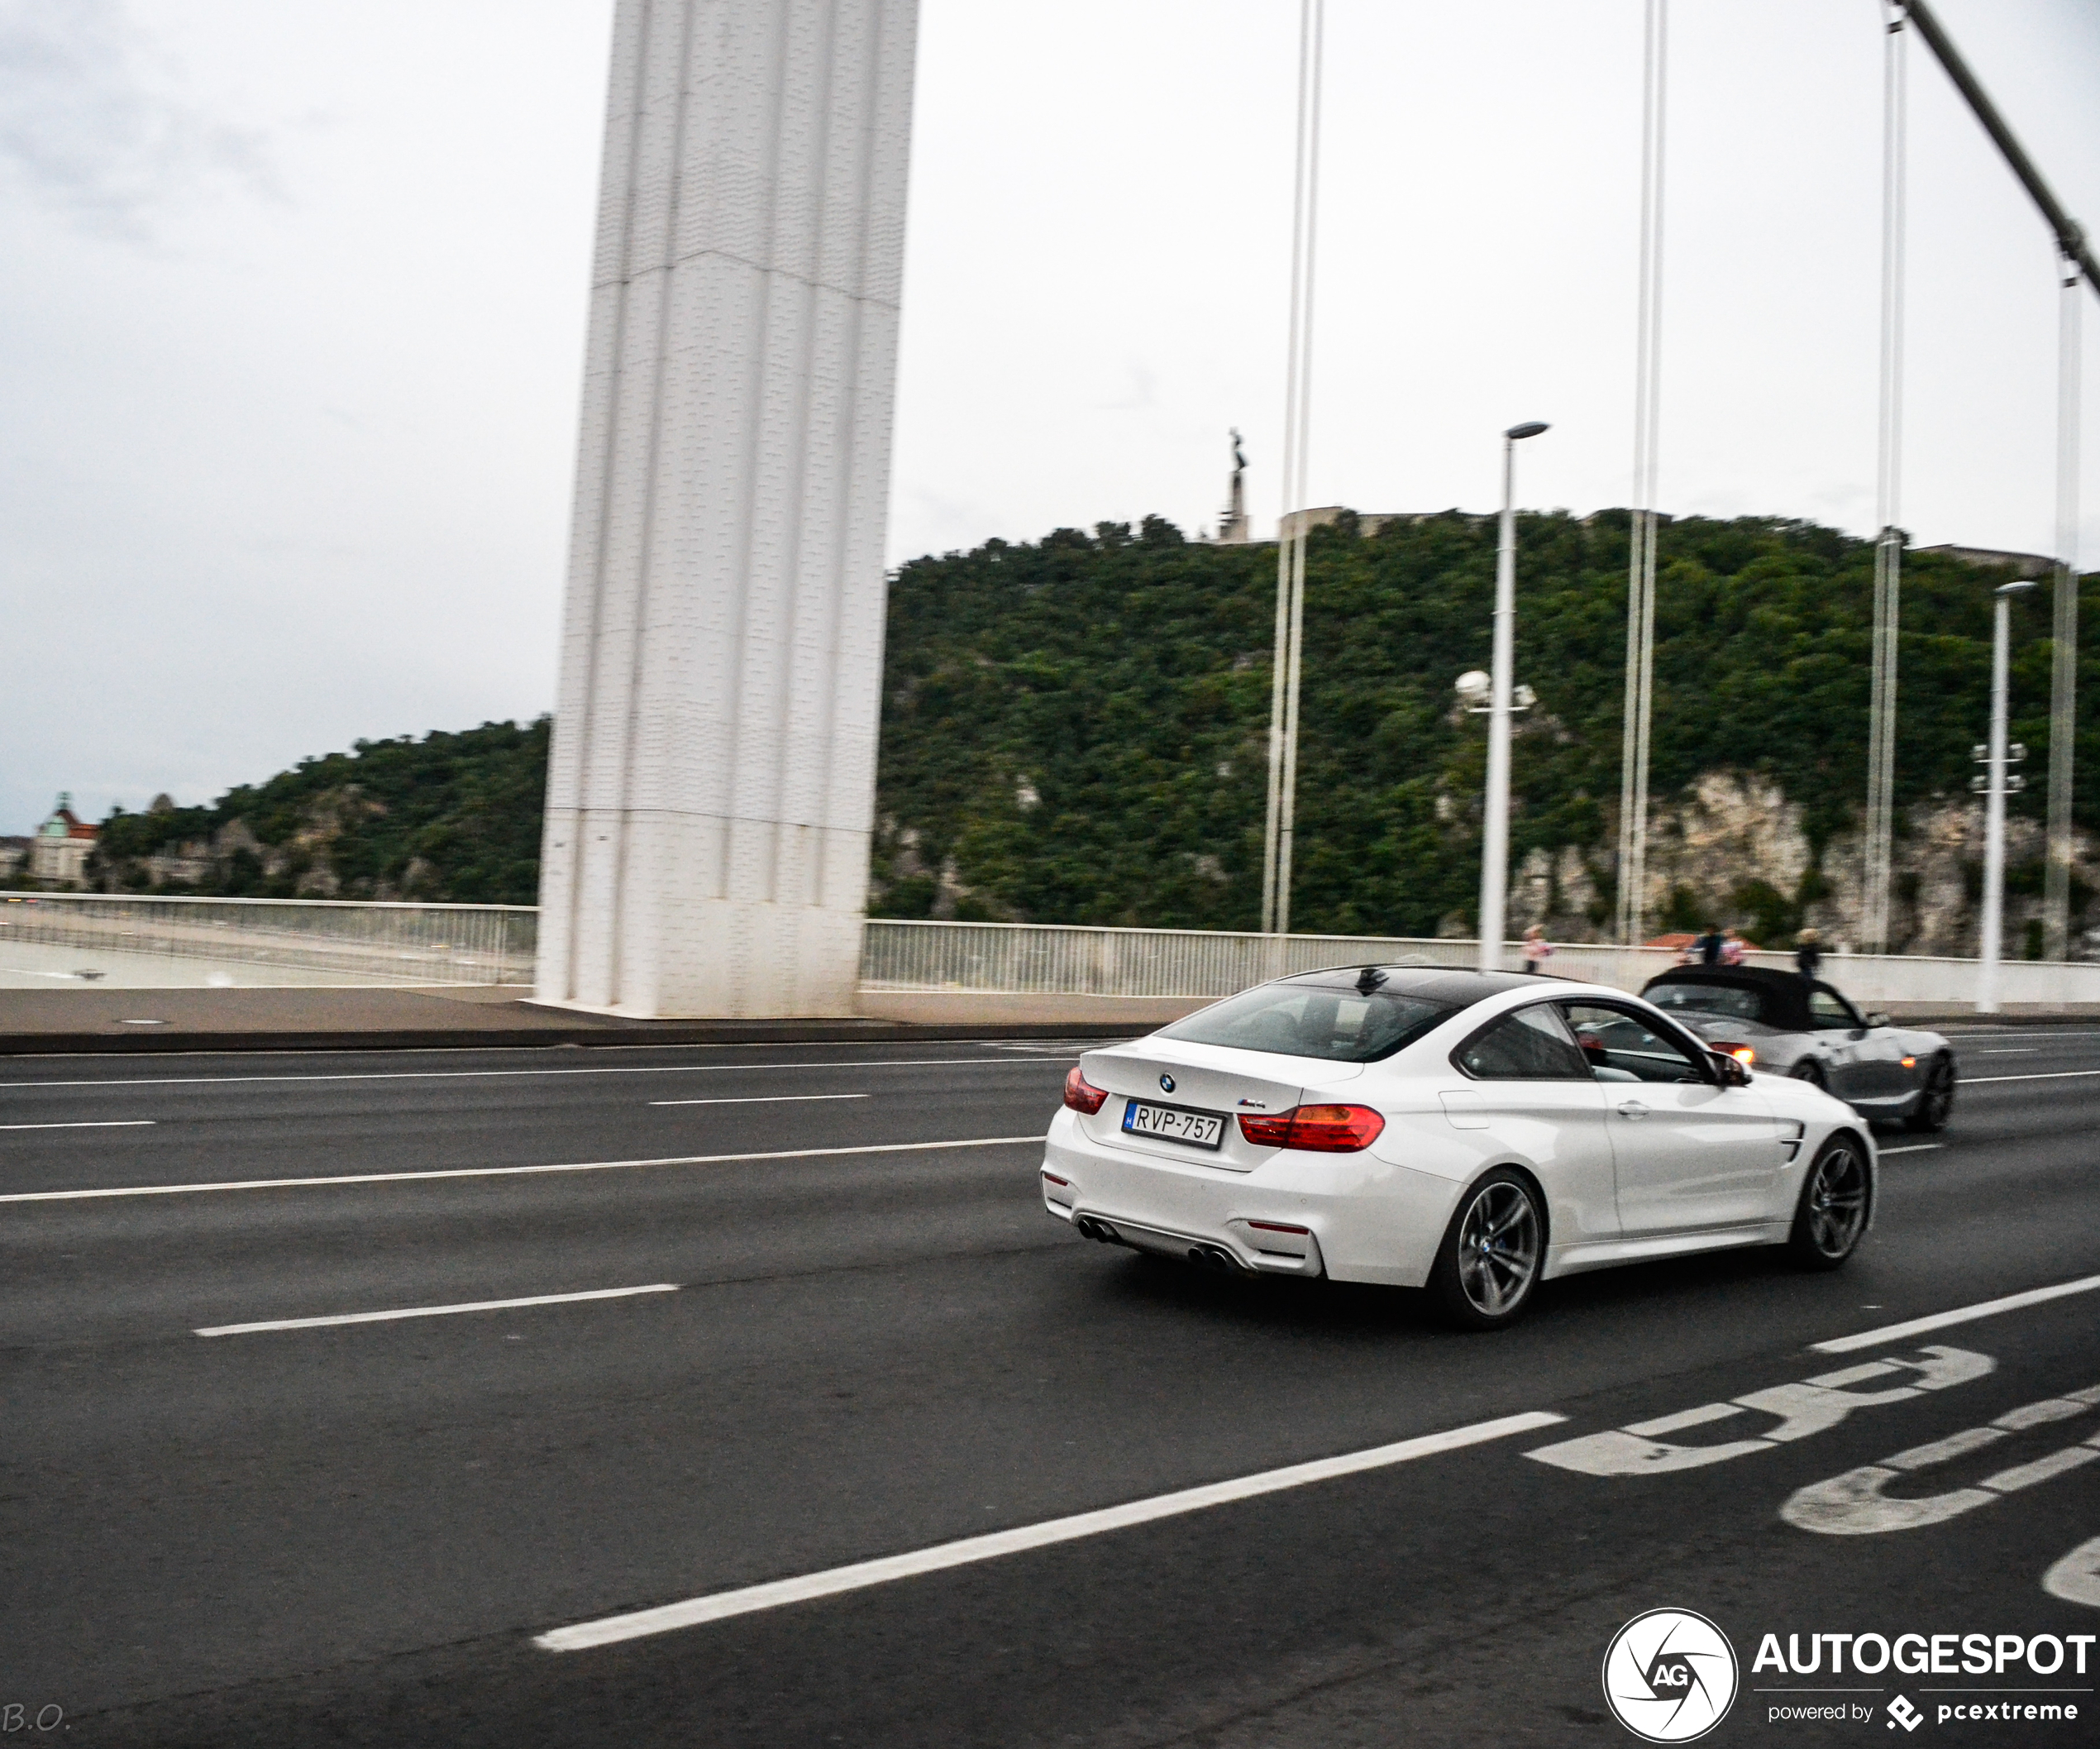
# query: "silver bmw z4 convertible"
{"points": [[1472, 1134], [1786, 1025]]}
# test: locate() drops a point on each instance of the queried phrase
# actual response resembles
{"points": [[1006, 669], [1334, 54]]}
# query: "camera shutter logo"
{"points": [[1669, 1676]]}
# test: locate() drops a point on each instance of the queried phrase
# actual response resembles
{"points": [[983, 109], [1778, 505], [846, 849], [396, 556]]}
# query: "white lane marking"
{"points": [[2051, 1032], [762, 1099], [649, 1068], [1814, 1405], [1912, 1148], [434, 1312], [2024, 1050], [1854, 1504], [1961, 1314], [113, 1123], [664, 1619], [1971, 1081], [2076, 1578], [505, 1172]]}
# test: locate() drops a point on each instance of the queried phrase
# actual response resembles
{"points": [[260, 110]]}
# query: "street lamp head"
{"points": [[2014, 589], [1517, 433]]}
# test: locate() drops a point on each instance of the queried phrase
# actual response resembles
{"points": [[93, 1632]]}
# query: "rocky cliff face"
{"points": [[1733, 850]]}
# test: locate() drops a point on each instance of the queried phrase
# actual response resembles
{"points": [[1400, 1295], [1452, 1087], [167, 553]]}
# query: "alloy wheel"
{"points": [[1836, 1203], [1498, 1248], [1939, 1094]]}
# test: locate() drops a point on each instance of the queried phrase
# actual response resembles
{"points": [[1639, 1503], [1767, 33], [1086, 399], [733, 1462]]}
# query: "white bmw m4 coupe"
{"points": [[1470, 1133]]}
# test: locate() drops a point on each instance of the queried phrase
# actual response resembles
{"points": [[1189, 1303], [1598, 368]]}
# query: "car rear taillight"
{"points": [[1082, 1095], [1267, 1132], [1317, 1129], [1742, 1054]]}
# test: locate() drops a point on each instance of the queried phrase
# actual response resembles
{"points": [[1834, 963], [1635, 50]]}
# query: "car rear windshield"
{"points": [[1335, 1021], [1736, 1002]]}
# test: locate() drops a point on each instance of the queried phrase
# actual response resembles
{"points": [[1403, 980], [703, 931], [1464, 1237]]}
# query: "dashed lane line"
{"points": [[631, 1069], [1959, 1315], [108, 1123], [1911, 1148], [762, 1099], [1971, 1081], [637, 1624], [433, 1312], [504, 1171]]}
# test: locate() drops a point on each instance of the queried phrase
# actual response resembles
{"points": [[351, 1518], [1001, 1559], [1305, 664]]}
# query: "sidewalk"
{"points": [[45, 1022], [441, 1017]]}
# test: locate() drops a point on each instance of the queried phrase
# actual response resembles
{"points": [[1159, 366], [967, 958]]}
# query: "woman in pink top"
{"points": [[1537, 950]]}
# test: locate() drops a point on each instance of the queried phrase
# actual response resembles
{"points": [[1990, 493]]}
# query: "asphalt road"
{"points": [[858, 1345]]}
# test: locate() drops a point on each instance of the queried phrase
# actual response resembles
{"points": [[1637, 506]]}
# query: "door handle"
{"points": [[1633, 1108]]}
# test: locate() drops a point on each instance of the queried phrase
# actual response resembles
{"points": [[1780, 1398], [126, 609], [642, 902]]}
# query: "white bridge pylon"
{"points": [[711, 791]]}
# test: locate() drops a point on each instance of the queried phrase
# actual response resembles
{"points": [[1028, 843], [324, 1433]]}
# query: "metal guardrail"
{"points": [[495, 944], [388, 943], [1066, 960]]}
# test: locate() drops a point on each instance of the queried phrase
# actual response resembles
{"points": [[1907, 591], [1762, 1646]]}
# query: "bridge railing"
{"points": [[1068, 960], [384, 943], [333, 940]]}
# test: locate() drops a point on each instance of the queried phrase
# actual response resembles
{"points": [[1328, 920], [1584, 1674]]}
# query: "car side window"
{"points": [[1619, 1047], [1829, 1012], [1532, 1045]]}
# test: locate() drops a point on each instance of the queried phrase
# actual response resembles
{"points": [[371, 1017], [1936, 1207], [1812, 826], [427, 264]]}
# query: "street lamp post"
{"points": [[1993, 925], [1495, 839]]}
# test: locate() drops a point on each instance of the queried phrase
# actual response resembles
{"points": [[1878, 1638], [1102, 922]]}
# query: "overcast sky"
{"points": [[291, 316]]}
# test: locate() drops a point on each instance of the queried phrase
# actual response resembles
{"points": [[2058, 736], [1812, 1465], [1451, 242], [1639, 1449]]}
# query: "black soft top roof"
{"points": [[1784, 1004]]}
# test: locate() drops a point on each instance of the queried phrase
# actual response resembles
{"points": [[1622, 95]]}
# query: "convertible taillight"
{"points": [[1315, 1129], [1082, 1095]]}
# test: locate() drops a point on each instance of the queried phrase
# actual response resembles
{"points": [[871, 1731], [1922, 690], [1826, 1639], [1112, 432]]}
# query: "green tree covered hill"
{"points": [[451, 816], [1076, 730]]}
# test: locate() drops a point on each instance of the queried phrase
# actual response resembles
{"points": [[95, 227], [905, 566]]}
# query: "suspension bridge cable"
{"points": [[2063, 692], [1291, 531], [1640, 563], [1888, 542]]}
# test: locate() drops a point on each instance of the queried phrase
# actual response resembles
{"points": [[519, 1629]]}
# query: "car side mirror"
{"points": [[1732, 1072], [1879, 1019]]}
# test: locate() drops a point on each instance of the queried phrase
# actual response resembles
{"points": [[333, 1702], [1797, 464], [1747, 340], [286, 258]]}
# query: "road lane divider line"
{"points": [[668, 1618], [631, 1068], [505, 1171], [1971, 1081], [433, 1312], [1911, 1148], [762, 1099], [1959, 1315], [108, 1123]]}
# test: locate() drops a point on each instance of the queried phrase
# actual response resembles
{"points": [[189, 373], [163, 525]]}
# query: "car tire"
{"points": [[1810, 1070], [1488, 1268], [1936, 1098], [1836, 1199]]}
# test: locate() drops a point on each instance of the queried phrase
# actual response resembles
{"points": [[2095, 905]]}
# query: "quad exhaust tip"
{"points": [[1099, 1230], [1216, 1257]]}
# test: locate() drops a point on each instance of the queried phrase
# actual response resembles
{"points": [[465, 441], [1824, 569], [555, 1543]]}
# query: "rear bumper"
{"points": [[1364, 1219]]}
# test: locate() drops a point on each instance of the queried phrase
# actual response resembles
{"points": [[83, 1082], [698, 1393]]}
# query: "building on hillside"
{"points": [[2020, 564], [57, 854], [1368, 521]]}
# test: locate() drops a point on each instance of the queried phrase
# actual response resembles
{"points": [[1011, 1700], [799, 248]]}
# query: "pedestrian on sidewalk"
{"points": [[1733, 946], [1537, 950], [1808, 953]]}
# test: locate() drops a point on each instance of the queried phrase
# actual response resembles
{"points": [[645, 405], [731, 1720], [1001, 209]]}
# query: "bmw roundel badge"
{"points": [[1166, 1083]]}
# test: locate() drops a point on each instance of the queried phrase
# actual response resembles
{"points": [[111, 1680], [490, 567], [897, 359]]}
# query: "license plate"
{"points": [[1171, 1124]]}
